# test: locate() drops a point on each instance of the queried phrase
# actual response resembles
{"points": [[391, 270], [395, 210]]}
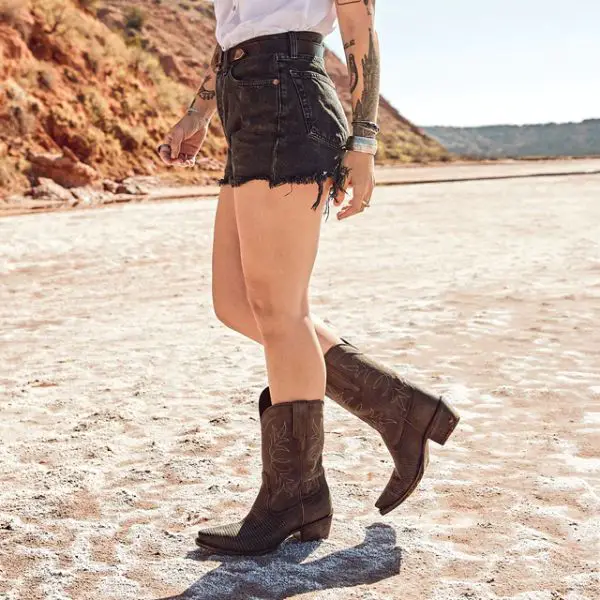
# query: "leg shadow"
{"points": [[283, 574]]}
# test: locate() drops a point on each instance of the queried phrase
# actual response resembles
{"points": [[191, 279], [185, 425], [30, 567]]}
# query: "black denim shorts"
{"points": [[281, 114]]}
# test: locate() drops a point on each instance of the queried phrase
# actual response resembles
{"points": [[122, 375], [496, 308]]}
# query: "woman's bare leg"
{"points": [[230, 300], [278, 241]]}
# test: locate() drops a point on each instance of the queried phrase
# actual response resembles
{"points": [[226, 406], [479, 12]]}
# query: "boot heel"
{"points": [[319, 530], [443, 423]]}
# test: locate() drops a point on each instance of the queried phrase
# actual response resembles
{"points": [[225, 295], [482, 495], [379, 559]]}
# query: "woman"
{"points": [[289, 155]]}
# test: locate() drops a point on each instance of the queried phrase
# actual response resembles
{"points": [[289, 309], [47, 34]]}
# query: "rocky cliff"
{"points": [[96, 85]]}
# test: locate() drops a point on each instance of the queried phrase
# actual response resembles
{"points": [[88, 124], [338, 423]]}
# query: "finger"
{"points": [[188, 160], [176, 143], [342, 191], [164, 152], [357, 204], [349, 211], [339, 197], [368, 196]]}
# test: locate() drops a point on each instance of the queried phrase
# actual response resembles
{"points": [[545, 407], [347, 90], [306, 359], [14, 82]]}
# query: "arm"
{"points": [[361, 45], [357, 26], [183, 142]]}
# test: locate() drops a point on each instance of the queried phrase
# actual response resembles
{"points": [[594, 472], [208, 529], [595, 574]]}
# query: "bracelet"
{"points": [[362, 144], [370, 125], [193, 111]]}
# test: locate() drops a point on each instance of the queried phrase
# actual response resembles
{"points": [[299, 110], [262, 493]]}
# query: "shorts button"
{"points": [[275, 81]]}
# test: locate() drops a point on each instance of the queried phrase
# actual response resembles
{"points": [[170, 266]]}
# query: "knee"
{"points": [[274, 315]]}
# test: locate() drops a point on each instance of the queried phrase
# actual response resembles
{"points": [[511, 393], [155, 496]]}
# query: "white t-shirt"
{"points": [[240, 20]]}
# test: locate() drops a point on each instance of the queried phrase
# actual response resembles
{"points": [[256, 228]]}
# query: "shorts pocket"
{"points": [[253, 72], [322, 110]]}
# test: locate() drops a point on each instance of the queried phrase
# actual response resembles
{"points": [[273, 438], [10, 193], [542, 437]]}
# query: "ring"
{"points": [[366, 204]]}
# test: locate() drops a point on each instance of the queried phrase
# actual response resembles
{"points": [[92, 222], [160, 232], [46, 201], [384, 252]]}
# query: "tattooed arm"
{"points": [[205, 98], [357, 26], [182, 144]]}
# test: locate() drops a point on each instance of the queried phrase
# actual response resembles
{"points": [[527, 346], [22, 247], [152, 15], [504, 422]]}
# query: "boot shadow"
{"points": [[282, 574]]}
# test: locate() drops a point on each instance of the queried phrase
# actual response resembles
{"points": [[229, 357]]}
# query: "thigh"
{"points": [[279, 238], [227, 276]]}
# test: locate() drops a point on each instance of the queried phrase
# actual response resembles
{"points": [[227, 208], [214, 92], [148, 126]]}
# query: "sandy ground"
{"points": [[129, 412]]}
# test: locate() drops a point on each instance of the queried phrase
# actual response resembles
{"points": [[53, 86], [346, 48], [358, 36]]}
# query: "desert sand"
{"points": [[129, 413]]}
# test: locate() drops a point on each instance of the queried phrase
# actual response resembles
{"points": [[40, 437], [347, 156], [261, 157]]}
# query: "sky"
{"points": [[471, 62]]}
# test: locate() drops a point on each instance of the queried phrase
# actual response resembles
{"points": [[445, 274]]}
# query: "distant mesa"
{"points": [[518, 141]]}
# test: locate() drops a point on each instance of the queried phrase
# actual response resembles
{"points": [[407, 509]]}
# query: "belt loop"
{"points": [[293, 44]]}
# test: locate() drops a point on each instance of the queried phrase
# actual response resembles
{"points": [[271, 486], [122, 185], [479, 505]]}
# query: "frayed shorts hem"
{"points": [[338, 175]]}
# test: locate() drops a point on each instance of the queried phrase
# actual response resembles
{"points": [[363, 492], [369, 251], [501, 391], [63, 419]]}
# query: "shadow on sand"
{"points": [[283, 573]]}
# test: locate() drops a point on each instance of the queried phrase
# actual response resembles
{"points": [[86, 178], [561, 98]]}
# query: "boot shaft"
{"points": [[292, 447]]}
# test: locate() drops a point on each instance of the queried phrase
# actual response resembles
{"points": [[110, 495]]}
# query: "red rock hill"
{"points": [[106, 80]]}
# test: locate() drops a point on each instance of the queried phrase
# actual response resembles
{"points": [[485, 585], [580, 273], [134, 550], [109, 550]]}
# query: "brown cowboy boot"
{"points": [[405, 416], [294, 497]]}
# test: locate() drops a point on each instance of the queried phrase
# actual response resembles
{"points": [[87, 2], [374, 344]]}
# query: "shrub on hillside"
{"points": [[135, 18]]}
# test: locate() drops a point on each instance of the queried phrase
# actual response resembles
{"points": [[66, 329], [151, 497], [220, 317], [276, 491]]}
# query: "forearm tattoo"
{"points": [[204, 92], [353, 70], [365, 108]]}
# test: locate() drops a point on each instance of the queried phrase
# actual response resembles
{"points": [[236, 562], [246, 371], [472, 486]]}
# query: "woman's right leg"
{"points": [[230, 298]]}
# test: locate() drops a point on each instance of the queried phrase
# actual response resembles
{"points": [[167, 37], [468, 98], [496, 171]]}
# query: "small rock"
{"points": [[65, 169], [127, 186], [110, 186], [88, 195], [50, 190]]}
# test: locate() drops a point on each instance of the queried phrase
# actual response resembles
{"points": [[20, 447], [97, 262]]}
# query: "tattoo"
{"points": [[366, 106], [365, 2], [349, 44], [204, 92], [353, 69]]}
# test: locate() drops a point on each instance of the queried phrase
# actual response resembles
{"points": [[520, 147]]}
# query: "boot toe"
{"points": [[244, 537], [224, 538], [393, 491]]}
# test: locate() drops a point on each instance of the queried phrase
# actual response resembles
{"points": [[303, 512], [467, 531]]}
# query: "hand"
{"points": [[361, 179], [182, 144]]}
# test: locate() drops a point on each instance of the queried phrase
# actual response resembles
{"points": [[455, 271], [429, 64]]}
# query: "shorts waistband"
{"points": [[292, 43]]}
